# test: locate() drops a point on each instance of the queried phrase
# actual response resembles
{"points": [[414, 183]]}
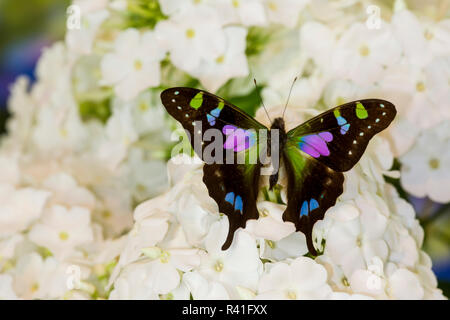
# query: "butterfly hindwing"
{"points": [[235, 189], [312, 189], [317, 151], [232, 184], [339, 137]]}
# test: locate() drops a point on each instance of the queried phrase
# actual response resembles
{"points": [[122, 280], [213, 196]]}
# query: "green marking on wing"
{"points": [[361, 112], [296, 159], [197, 101]]}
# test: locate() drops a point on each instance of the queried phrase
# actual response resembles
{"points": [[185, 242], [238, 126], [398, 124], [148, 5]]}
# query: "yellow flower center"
{"points": [[106, 214], [63, 235], [345, 282], [235, 3], [190, 33], [291, 295], [220, 59], [143, 106], [218, 266], [272, 6], [364, 50], [138, 65], [168, 296], [434, 163], [34, 287], [270, 243], [358, 242], [164, 258], [264, 212], [420, 86], [428, 35]]}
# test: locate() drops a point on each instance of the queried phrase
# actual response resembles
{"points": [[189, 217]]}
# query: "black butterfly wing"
{"points": [[317, 151], [232, 172], [339, 137]]}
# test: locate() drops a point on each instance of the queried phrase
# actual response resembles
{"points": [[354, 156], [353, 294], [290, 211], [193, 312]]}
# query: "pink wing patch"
{"points": [[238, 139], [316, 144]]}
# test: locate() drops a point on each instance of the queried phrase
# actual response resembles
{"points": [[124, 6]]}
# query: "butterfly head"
{"points": [[278, 123]]}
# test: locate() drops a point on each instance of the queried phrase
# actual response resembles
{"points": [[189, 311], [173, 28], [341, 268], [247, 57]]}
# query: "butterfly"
{"points": [[314, 154]]}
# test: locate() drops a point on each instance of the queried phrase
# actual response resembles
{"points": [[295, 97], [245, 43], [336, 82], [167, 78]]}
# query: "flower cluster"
{"points": [[90, 207]]}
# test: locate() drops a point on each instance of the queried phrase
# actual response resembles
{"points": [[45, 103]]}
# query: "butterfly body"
{"points": [[277, 124], [314, 154]]}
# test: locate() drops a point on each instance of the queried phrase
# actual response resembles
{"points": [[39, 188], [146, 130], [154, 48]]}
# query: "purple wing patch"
{"points": [[316, 144], [238, 139]]}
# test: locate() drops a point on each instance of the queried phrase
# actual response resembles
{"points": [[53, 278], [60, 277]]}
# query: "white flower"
{"points": [[361, 54], [285, 12], [151, 280], [133, 284], [92, 15], [356, 235], [169, 7], [421, 41], [8, 248], [147, 177], [21, 107], [59, 134], [6, 289], [425, 167], [232, 63], [370, 281], [9, 170], [270, 224], [148, 114], [63, 230], [302, 279], [19, 208], [66, 191], [134, 65], [404, 284], [320, 52], [36, 278], [120, 134], [193, 208], [192, 36], [245, 12], [202, 289], [150, 228], [278, 239], [239, 265]]}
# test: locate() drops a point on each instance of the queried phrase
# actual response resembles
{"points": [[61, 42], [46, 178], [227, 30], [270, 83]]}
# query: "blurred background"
{"points": [[27, 28]]}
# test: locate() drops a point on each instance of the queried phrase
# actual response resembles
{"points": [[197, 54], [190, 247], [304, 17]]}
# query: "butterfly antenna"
{"points": [[262, 102], [289, 95]]}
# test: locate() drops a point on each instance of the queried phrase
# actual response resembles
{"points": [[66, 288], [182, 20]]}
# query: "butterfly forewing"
{"points": [[231, 181], [339, 137]]}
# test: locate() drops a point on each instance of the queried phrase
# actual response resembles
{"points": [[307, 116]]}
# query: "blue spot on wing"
{"points": [[230, 197], [211, 119], [341, 120], [345, 128], [213, 115], [313, 204], [304, 210], [238, 205]]}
